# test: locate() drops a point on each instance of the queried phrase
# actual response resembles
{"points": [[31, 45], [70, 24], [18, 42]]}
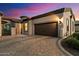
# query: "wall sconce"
{"points": [[61, 24]]}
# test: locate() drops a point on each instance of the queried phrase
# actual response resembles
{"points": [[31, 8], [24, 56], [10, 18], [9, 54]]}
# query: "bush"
{"points": [[76, 35], [73, 43]]}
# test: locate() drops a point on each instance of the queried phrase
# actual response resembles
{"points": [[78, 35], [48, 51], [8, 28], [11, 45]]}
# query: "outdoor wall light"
{"points": [[61, 22]]}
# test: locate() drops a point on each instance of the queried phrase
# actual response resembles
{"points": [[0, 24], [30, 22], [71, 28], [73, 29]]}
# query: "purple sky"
{"points": [[32, 9]]}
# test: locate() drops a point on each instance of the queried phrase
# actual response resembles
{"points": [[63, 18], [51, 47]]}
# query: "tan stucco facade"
{"points": [[71, 25], [14, 30], [18, 28], [66, 24], [64, 29]]}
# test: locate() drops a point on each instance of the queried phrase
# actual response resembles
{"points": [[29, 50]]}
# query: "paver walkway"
{"points": [[30, 46]]}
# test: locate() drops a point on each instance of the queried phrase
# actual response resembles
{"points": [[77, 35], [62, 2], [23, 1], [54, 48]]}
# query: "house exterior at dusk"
{"points": [[58, 23]]}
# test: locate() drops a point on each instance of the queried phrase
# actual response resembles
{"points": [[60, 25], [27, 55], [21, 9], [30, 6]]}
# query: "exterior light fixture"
{"points": [[61, 22]]}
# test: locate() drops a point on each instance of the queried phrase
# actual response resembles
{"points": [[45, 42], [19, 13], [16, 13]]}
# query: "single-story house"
{"points": [[77, 26], [58, 23]]}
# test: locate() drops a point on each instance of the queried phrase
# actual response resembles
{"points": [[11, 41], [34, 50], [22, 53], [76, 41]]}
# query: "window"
{"points": [[26, 28]]}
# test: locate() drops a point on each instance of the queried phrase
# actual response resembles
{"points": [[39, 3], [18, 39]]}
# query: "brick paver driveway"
{"points": [[30, 45]]}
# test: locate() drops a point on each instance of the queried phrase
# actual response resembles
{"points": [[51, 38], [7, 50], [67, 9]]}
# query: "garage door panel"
{"points": [[48, 29]]}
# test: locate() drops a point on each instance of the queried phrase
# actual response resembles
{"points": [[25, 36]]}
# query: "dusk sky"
{"points": [[32, 9]]}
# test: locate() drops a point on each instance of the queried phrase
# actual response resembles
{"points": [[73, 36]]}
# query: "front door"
{"points": [[6, 29]]}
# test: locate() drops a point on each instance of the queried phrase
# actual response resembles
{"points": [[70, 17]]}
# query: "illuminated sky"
{"points": [[32, 9]]}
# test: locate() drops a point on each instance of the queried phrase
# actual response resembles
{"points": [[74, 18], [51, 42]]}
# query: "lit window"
{"points": [[26, 26]]}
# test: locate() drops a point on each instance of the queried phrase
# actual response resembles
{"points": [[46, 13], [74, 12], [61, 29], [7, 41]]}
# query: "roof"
{"points": [[14, 19], [39, 16], [54, 12], [10, 19]]}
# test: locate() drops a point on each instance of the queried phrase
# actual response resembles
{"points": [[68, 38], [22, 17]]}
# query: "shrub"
{"points": [[73, 43], [76, 35]]}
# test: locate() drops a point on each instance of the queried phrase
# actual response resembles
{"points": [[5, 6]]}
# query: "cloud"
{"points": [[33, 9]]}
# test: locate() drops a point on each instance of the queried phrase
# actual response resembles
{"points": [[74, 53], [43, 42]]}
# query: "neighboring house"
{"points": [[10, 26], [58, 23], [77, 26]]}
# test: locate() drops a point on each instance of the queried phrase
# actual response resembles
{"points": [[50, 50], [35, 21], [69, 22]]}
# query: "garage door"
{"points": [[47, 29]]}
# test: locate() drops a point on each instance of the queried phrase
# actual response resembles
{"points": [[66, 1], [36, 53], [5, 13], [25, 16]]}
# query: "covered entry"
{"points": [[6, 28], [47, 29]]}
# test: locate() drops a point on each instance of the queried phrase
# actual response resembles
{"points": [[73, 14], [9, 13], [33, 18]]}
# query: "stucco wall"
{"points": [[50, 18], [72, 26], [66, 16], [66, 33], [18, 28], [30, 27], [13, 31], [62, 31], [60, 27]]}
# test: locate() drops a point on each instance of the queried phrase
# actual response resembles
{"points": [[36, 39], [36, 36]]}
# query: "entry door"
{"points": [[47, 29], [6, 29]]}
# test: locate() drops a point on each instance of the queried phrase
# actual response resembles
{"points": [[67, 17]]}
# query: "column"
{"points": [[30, 28], [18, 28]]}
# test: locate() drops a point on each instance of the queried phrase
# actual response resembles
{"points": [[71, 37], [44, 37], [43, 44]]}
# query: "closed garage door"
{"points": [[47, 29]]}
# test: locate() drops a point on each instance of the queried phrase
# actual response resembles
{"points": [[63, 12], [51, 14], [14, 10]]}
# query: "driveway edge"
{"points": [[62, 49]]}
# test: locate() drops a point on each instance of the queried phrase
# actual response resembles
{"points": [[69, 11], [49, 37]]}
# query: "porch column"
{"points": [[30, 27], [0, 27], [13, 31], [18, 28]]}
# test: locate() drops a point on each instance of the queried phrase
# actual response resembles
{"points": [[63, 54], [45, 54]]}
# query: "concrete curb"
{"points": [[62, 49]]}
